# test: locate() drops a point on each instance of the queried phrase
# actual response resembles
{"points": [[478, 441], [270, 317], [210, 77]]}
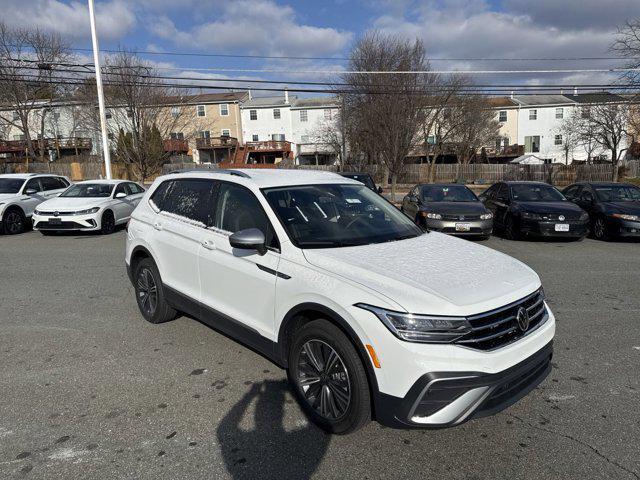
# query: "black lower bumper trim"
{"points": [[433, 391]]}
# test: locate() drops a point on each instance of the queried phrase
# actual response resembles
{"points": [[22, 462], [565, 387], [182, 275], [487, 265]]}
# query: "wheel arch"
{"points": [[139, 253], [303, 313]]}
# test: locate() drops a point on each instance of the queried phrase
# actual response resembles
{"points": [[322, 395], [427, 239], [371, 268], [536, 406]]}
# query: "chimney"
{"points": [[249, 92], [575, 90], [286, 95], [511, 96]]}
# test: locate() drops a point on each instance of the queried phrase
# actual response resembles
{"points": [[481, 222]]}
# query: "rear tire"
{"points": [[150, 293], [107, 223], [14, 221], [329, 378]]}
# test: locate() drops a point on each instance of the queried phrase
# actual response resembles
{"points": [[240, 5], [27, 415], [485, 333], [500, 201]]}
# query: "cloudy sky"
{"points": [[460, 29]]}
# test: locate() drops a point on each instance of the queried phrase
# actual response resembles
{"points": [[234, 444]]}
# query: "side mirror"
{"points": [[120, 195], [30, 191], [379, 190], [249, 239], [586, 197]]}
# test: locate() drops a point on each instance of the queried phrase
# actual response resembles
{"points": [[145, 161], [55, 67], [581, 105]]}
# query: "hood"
{"points": [[454, 208], [5, 197], [630, 208], [71, 204], [549, 207], [432, 274]]}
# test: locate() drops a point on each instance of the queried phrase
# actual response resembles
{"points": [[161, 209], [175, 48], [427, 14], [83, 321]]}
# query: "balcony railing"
{"points": [[176, 145], [269, 146], [216, 142], [17, 146]]}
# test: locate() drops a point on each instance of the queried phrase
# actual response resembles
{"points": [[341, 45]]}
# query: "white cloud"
{"points": [[255, 27], [115, 18]]}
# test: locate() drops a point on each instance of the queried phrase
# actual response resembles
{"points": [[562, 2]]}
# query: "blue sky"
{"points": [[449, 28]]}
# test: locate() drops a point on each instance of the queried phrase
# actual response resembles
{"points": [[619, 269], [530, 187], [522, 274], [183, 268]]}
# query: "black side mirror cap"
{"points": [[249, 239]]}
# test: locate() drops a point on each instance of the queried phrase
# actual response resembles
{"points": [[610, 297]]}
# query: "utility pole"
{"points": [[103, 116]]}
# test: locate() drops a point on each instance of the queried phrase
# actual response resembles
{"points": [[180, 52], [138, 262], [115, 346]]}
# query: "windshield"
{"points": [[89, 190], [326, 216], [618, 193], [10, 185], [536, 193], [362, 178], [447, 193]]}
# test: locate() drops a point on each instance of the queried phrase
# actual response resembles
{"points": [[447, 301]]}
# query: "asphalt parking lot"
{"points": [[90, 390]]}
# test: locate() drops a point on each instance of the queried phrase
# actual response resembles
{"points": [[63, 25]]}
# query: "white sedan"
{"points": [[97, 205]]}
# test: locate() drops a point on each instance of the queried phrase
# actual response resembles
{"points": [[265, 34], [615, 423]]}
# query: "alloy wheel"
{"points": [[147, 291], [599, 228], [108, 223], [323, 379], [13, 223]]}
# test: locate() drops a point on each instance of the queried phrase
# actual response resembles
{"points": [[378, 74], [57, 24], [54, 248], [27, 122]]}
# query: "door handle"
{"points": [[157, 226], [208, 244]]}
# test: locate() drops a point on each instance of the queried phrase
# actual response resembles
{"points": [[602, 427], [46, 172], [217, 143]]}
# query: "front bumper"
{"points": [[476, 227], [542, 228], [624, 228], [66, 222], [446, 399]]}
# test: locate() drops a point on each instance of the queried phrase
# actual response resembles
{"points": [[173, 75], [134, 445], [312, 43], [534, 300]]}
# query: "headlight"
{"points": [[531, 216], [624, 216], [486, 216], [421, 328], [434, 216], [37, 212], [584, 216], [85, 212]]}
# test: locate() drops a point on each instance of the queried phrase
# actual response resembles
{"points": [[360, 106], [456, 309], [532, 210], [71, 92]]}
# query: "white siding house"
{"points": [[314, 125], [266, 118]]}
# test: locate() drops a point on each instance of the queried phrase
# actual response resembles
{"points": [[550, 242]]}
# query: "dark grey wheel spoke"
{"points": [[147, 292], [323, 379]]}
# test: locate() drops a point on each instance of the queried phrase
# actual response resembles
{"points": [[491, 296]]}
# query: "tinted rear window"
{"points": [[190, 198]]}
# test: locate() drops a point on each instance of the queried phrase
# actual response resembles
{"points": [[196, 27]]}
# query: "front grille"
{"points": [[461, 218], [55, 214], [500, 327], [555, 217], [59, 226]]}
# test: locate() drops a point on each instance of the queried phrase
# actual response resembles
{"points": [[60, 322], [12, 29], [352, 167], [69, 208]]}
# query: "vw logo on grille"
{"points": [[523, 319], [56, 214], [461, 217], [561, 218]]}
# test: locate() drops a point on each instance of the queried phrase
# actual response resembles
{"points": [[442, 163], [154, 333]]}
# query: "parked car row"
{"points": [[51, 203], [528, 209]]}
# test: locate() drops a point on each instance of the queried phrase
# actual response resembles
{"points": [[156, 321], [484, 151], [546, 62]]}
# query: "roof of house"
{"points": [[264, 102], [198, 99], [599, 97], [501, 102], [535, 100], [315, 102]]}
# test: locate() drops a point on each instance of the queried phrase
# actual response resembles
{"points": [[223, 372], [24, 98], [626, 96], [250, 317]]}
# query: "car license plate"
{"points": [[55, 221], [562, 227], [463, 227]]}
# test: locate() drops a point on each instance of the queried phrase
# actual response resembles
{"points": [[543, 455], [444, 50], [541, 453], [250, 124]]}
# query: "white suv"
{"points": [[370, 315]]}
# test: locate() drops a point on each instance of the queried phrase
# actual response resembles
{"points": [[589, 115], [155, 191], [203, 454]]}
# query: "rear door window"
{"points": [[190, 198]]}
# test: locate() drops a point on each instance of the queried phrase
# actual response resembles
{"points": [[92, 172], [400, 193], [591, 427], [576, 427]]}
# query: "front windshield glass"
{"points": [[536, 193], [618, 193], [326, 216], [447, 193], [10, 185], [96, 190]]}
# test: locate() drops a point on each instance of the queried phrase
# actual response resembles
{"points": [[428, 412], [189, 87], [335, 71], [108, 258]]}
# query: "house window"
{"points": [[327, 114], [205, 134], [175, 111], [533, 114], [276, 113], [56, 115], [110, 136], [224, 109], [304, 139], [18, 137], [176, 136], [254, 138], [253, 114], [585, 112], [129, 113], [226, 132], [502, 116], [277, 137], [201, 111], [15, 116], [304, 116], [107, 115], [532, 144], [559, 113], [557, 140]]}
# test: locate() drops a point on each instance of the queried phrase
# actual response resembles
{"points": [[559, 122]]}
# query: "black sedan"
{"points": [[362, 178], [534, 209], [614, 208], [448, 208]]}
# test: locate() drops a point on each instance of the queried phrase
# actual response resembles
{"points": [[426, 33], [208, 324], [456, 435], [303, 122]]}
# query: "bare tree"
{"points": [[627, 45], [571, 130], [28, 60], [385, 109], [143, 112]]}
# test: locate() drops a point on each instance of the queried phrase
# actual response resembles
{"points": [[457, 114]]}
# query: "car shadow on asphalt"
{"points": [[257, 442]]}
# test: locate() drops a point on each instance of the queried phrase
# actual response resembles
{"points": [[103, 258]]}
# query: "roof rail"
{"points": [[212, 170]]}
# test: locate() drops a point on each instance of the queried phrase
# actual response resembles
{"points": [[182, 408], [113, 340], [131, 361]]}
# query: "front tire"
{"points": [[107, 223], [599, 228], [329, 378], [150, 293], [14, 221]]}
